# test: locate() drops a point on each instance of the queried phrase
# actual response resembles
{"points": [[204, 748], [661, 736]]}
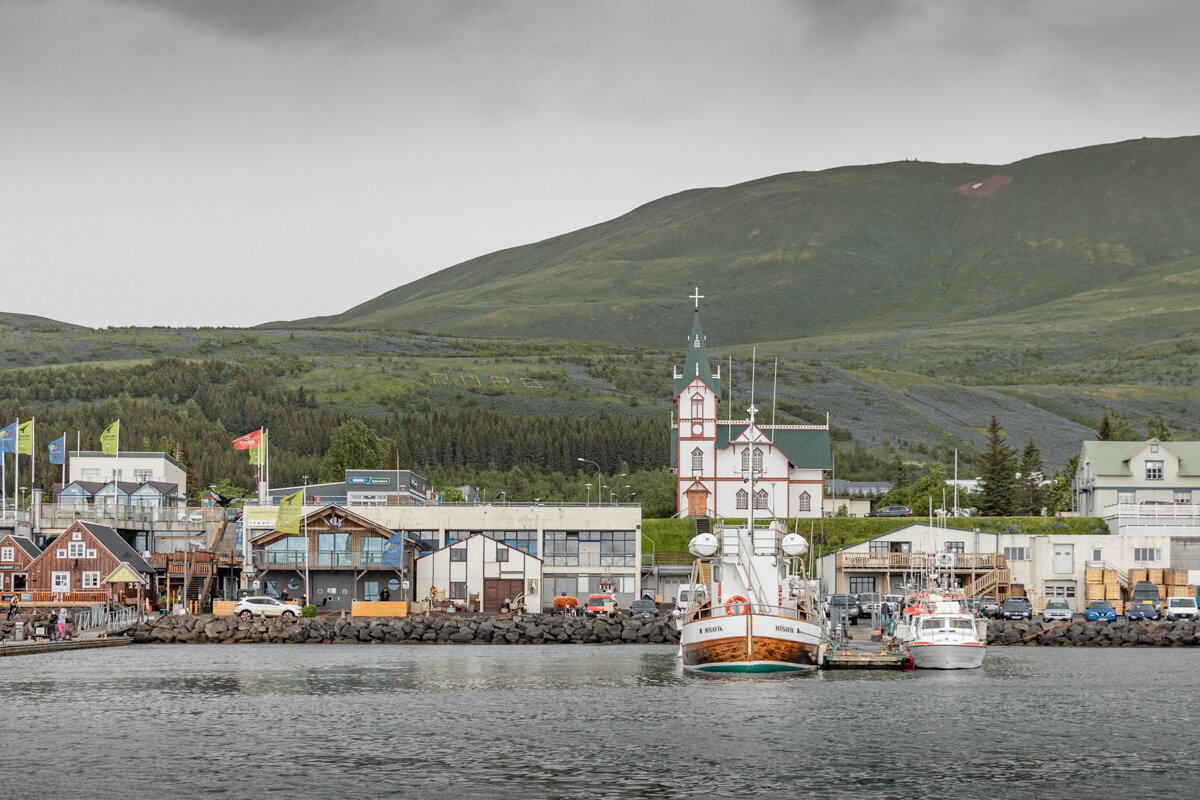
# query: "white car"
{"points": [[1057, 609], [265, 607], [1181, 608]]}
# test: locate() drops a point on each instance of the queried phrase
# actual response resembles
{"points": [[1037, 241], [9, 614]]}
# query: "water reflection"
{"points": [[594, 722]]}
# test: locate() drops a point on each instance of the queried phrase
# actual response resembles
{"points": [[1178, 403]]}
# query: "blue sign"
{"points": [[393, 551], [239, 536], [358, 480]]}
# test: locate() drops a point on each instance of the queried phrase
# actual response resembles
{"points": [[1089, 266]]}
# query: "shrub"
{"points": [[308, 611]]}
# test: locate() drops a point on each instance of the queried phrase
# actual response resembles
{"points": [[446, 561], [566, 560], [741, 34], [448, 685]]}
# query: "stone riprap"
{"points": [[416, 629], [33, 620], [1122, 633]]}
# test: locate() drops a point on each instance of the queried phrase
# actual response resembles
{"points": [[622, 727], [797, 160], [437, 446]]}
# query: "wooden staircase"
{"points": [[704, 525], [994, 582]]}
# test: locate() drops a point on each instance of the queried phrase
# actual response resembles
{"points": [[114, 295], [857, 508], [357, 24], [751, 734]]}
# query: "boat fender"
{"points": [[739, 601]]}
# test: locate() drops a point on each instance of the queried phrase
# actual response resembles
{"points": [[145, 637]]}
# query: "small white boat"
{"points": [[944, 636]]}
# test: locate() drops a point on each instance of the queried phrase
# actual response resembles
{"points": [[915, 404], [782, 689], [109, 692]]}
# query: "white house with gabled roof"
{"points": [[1150, 487]]}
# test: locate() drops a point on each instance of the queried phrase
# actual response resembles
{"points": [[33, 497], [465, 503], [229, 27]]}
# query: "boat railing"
{"points": [[736, 608]]}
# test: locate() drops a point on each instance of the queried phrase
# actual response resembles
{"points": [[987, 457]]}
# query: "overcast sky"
{"points": [[229, 162]]}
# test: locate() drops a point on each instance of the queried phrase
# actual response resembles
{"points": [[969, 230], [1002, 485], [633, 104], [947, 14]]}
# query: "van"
{"points": [[686, 591], [1181, 608], [1145, 590]]}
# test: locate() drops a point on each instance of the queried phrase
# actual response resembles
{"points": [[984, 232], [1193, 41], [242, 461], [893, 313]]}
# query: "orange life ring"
{"points": [[737, 598]]}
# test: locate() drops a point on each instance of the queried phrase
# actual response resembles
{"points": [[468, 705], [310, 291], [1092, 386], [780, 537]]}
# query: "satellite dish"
{"points": [[704, 545], [794, 545]]}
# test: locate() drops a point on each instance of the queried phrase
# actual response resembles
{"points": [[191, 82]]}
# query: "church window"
{"points": [[746, 460], [805, 501], [757, 461], [742, 498], [760, 498], [697, 460], [697, 407]]}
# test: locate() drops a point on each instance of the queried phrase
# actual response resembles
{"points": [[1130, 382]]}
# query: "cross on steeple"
{"points": [[697, 297]]}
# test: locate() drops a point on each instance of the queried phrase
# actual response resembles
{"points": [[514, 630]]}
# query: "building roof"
{"points": [[127, 454], [469, 538], [25, 544], [696, 365], [162, 487], [113, 543], [1112, 458], [91, 487], [805, 447]]}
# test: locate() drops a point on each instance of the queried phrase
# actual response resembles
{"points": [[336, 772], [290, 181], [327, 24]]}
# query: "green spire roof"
{"points": [[696, 365]]}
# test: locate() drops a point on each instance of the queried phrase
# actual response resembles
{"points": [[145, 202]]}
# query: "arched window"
{"points": [[760, 498], [745, 460], [757, 461], [742, 498], [805, 501], [697, 407], [697, 460]]}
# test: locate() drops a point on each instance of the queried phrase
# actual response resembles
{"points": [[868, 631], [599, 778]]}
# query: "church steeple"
{"points": [[696, 365]]}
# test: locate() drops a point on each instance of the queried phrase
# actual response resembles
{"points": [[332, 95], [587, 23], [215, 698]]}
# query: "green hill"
{"points": [[1063, 238]]}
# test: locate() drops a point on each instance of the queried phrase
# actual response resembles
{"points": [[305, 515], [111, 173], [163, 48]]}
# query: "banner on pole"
{"points": [[110, 439], [290, 508]]}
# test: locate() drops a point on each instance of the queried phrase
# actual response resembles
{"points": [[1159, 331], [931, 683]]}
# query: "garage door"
{"points": [[497, 590]]}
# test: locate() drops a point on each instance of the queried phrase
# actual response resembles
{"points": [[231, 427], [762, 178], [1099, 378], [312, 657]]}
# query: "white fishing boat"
{"points": [[937, 629]]}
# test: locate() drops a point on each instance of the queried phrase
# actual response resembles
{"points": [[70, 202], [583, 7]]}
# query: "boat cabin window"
{"points": [[963, 625], [931, 624]]}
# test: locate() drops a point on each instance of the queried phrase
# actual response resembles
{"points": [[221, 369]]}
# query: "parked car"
{"points": [[1181, 608], [600, 605], [196, 516], [846, 604], [643, 608], [868, 603], [1142, 609], [1016, 608], [1145, 590], [989, 606], [895, 603], [891, 511], [1100, 610], [1057, 610], [265, 607]]}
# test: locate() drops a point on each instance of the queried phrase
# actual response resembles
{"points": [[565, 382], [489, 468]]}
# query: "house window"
{"points": [[805, 501], [1183, 496], [458, 554], [1154, 470], [370, 590], [458, 591], [1147, 554], [1064, 591], [1016, 554], [7, 554], [76, 536], [91, 580], [143, 475], [955, 547], [742, 499], [60, 581], [1153, 448], [697, 460], [760, 498], [757, 461], [1097, 555], [1125, 496], [91, 553], [861, 585], [502, 554], [879, 547], [697, 407], [76, 550]]}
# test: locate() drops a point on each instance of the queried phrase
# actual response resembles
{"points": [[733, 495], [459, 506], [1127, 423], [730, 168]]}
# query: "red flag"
{"points": [[251, 441]]}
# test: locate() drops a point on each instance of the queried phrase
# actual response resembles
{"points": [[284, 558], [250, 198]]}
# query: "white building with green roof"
{"points": [[1140, 487], [713, 457]]}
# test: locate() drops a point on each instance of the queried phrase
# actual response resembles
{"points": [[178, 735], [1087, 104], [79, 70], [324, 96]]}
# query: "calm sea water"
{"points": [[268, 721]]}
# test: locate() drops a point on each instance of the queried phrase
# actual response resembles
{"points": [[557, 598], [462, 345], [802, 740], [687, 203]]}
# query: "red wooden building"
{"points": [[16, 554], [72, 568]]}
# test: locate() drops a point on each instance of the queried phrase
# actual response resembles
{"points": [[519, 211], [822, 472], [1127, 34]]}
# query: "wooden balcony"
{"points": [[914, 562]]}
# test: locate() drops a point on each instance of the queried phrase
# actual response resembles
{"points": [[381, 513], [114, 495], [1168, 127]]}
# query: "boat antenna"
{"points": [[774, 389]]}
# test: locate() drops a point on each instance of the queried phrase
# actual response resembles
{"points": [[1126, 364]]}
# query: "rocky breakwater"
{"points": [[1143, 633], [417, 629]]}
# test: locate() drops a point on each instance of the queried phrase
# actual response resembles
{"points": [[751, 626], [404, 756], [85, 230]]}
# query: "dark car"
{"points": [[1142, 609], [643, 608], [1016, 608], [891, 511], [846, 604]]}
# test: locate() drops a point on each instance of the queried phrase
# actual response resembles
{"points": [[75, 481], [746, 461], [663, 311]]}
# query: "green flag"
{"points": [[290, 507], [25, 438], [256, 456], [110, 440]]}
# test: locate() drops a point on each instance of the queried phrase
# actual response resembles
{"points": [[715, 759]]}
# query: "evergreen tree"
{"points": [[1031, 497], [1105, 433], [1157, 429], [899, 473], [997, 475]]}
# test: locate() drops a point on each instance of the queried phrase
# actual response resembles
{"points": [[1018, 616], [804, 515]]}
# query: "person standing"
{"points": [[385, 595], [14, 607], [62, 623], [283, 596]]}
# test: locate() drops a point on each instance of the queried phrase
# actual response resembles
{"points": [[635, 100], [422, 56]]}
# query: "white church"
{"points": [[713, 458]]}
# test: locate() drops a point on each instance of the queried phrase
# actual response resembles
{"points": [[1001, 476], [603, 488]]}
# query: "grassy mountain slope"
{"points": [[858, 248]]}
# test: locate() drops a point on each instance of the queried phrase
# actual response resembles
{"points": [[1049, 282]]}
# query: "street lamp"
{"points": [[599, 479], [589, 493], [503, 498], [623, 488], [307, 543]]}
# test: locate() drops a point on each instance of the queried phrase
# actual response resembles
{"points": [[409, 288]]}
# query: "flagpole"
{"points": [[32, 456], [63, 479], [16, 466]]}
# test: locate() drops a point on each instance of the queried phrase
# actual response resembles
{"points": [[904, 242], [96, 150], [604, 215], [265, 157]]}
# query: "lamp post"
{"points": [[589, 493], [503, 498], [307, 544], [623, 488], [599, 479]]}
